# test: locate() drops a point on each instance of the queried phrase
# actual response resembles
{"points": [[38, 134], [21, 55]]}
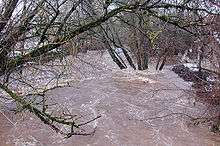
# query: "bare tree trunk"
{"points": [[142, 46]]}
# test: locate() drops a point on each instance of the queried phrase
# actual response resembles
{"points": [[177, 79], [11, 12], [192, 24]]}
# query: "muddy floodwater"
{"points": [[146, 108]]}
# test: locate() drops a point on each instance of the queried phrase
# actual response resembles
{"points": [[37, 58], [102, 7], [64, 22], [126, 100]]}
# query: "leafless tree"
{"points": [[38, 27]]}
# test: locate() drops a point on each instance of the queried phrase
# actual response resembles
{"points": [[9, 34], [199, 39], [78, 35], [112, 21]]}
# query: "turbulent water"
{"points": [[147, 108]]}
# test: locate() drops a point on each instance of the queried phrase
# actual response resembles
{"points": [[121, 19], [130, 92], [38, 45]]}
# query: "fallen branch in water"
{"points": [[47, 118]]}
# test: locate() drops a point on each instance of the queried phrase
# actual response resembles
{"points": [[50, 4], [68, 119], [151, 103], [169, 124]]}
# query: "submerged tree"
{"points": [[30, 30]]}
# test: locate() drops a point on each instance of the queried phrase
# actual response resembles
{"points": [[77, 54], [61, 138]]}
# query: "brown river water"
{"points": [[148, 108]]}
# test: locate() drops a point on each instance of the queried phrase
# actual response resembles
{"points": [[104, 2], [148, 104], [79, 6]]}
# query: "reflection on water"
{"points": [[146, 108]]}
